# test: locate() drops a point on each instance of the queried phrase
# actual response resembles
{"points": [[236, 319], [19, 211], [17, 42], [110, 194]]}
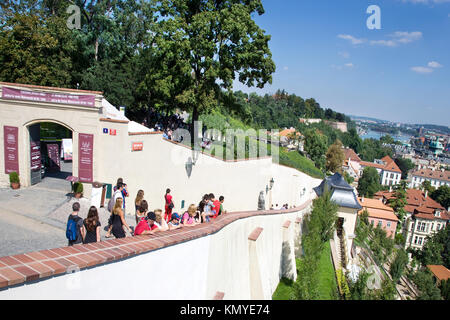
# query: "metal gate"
{"points": [[35, 153]]}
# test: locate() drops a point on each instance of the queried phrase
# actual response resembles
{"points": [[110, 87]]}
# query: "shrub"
{"points": [[14, 177], [78, 187]]}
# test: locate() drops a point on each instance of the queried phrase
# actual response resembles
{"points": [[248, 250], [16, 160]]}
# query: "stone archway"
{"points": [[45, 162]]}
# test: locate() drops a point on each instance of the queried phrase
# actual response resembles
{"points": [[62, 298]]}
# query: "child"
{"points": [[175, 222]]}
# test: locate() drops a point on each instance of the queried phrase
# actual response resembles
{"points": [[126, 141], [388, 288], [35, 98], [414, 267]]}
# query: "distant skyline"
{"points": [[324, 50]]}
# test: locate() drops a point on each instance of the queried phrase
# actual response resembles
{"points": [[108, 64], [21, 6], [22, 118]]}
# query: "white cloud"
{"points": [[386, 43], [351, 38], [349, 65], [285, 68], [406, 37], [422, 70], [434, 64], [398, 37]]}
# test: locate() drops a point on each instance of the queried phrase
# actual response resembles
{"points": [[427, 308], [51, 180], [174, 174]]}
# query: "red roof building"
{"points": [[425, 216], [390, 173]]}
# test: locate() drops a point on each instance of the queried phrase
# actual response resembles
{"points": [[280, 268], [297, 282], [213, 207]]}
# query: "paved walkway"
{"points": [[34, 218]]}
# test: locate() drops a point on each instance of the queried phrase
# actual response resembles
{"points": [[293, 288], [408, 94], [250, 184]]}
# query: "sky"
{"points": [[323, 49]]}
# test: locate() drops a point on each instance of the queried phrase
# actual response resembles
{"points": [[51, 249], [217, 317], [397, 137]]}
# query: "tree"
{"points": [[398, 202], [445, 289], [369, 183], [335, 157], [426, 186], [216, 40], [34, 49], [323, 217], [405, 165], [426, 285], [316, 146], [398, 265], [442, 195]]}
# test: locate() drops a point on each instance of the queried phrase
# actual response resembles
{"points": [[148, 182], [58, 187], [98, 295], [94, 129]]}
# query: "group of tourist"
{"points": [[277, 207], [87, 230]]}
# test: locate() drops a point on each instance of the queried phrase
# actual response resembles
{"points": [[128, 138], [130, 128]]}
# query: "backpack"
{"points": [[182, 217], [71, 231], [110, 204], [111, 201]]}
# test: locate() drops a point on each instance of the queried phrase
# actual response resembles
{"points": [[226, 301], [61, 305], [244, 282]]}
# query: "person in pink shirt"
{"points": [[188, 219]]}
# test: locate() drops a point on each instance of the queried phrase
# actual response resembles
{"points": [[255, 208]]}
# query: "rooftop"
{"points": [[439, 271], [432, 174], [389, 165], [377, 209], [341, 192]]}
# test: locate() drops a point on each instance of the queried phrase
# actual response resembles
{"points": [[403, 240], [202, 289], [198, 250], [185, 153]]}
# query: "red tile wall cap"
{"points": [[42, 264]]}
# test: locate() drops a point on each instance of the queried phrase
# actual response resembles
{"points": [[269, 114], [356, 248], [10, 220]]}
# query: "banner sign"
{"points": [[39, 96], [10, 143], [85, 157], [53, 155]]}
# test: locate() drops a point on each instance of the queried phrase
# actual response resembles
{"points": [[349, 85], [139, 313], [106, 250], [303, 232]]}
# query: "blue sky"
{"points": [[323, 49]]}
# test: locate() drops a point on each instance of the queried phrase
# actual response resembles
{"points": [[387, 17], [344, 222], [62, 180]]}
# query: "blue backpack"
{"points": [[71, 231]]}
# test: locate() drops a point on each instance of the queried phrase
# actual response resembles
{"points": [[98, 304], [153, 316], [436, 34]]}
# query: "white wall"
{"points": [[196, 269]]}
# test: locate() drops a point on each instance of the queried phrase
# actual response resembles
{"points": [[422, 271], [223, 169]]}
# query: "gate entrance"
{"points": [[50, 154]]}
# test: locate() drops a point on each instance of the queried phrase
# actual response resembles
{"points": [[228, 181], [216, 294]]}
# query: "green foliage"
{"points": [[426, 285], [295, 160], [405, 165], [381, 245], [436, 249], [445, 289], [78, 187], [426, 186], [387, 291], [315, 147], [335, 157], [348, 178], [323, 218], [399, 239], [398, 265], [442, 195], [14, 177], [372, 149], [343, 286], [319, 227], [362, 228], [369, 183]]}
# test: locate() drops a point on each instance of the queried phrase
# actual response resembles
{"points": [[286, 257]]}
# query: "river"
{"points": [[377, 135]]}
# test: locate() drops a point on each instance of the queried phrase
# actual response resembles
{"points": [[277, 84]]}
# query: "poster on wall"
{"points": [[85, 157], [35, 155], [53, 156], [11, 138]]}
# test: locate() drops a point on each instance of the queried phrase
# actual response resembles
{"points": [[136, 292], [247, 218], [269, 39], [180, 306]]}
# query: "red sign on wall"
{"points": [[137, 146], [85, 157], [11, 138]]}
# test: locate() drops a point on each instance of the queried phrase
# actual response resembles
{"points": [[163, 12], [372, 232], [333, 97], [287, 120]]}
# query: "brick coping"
{"points": [[38, 265]]}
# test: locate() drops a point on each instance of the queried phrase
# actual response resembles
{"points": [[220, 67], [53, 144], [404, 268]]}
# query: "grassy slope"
{"points": [[296, 160], [327, 279]]}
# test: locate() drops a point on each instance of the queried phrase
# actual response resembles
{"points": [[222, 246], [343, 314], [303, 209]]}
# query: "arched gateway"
{"points": [[24, 107]]}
